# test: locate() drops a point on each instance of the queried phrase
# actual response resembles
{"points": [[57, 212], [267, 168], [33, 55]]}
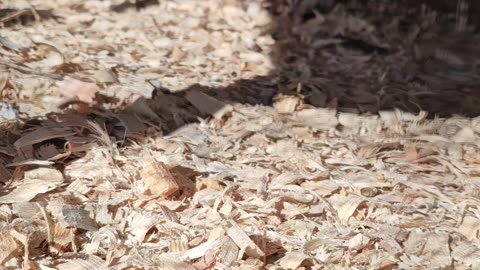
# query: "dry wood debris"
{"points": [[145, 143]]}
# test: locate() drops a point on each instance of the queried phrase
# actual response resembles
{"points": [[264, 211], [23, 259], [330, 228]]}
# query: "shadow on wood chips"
{"points": [[327, 57], [323, 54]]}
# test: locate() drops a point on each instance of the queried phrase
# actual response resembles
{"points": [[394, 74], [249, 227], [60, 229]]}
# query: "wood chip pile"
{"points": [[230, 134]]}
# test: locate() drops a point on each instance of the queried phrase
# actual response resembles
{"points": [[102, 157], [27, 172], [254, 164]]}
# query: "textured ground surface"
{"points": [[229, 134]]}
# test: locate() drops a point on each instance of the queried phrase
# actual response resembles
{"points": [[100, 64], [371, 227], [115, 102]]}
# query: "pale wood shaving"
{"points": [[294, 260], [242, 240], [36, 182], [158, 180]]}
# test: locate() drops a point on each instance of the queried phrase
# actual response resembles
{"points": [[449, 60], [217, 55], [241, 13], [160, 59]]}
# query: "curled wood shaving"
{"points": [[241, 239], [158, 179]]}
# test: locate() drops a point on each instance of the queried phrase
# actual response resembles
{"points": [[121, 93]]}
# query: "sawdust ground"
{"points": [[236, 135]]}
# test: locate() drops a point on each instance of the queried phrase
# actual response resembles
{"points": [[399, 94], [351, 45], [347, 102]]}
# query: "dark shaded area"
{"points": [[137, 4], [360, 57], [9, 16]]}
